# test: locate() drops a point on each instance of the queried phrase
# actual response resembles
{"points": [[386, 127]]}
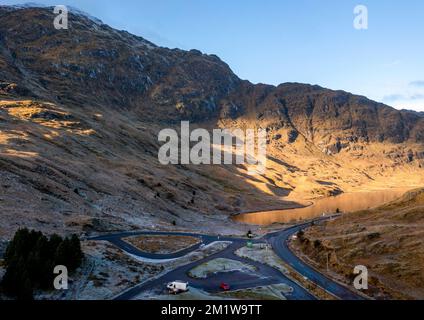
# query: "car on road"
{"points": [[177, 286], [224, 286]]}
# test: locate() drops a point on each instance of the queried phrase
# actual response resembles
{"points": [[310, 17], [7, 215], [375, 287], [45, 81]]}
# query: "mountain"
{"points": [[80, 110]]}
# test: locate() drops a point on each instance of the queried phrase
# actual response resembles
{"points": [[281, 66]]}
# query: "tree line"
{"points": [[30, 259]]}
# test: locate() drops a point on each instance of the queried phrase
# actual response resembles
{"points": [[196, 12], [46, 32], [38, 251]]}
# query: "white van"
{"points": [[177, 286]]}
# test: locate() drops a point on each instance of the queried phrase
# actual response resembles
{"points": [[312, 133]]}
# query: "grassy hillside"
{"points": [[389, 240]]}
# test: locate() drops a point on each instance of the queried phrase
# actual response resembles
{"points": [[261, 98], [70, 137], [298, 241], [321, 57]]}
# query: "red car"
{"points": [[225, 286]]}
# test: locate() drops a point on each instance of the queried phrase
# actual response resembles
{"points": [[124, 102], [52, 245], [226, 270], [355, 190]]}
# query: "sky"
{"points": [[276, 41]]}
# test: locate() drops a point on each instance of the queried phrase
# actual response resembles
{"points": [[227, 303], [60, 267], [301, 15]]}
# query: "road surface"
{"points": [[264, 275], [279, 244]]}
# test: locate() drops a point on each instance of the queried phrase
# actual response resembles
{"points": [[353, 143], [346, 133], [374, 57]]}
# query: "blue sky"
{"points": [[275, 41]]}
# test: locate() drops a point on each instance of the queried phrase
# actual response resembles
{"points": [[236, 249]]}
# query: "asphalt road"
{"points": [[279, 244], [116, 239], [264, 274], [237, 280]]}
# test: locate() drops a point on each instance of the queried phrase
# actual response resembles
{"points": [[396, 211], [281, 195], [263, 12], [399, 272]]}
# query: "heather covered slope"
{"points": [[68, 170], [80, 110], [91, 64], [388, 240]]}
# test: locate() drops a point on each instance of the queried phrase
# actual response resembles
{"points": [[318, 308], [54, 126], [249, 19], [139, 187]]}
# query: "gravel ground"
{"points": [[219, 265]]}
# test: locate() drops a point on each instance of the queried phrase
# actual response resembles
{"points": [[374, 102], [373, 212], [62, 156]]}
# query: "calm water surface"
{"points": [[347, 202]]}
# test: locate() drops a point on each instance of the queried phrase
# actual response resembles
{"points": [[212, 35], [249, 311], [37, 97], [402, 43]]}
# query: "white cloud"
{"points": [[405, 96], [418, 83]]}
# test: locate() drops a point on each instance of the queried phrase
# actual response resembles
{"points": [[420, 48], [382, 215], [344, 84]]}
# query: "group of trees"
{"points": [[30, 259]]}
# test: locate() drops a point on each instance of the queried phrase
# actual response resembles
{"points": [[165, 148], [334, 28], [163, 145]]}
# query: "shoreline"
{"points": [[238, 217]]}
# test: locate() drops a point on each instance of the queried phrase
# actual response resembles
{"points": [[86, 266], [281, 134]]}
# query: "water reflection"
{"points": [[348, 202]]}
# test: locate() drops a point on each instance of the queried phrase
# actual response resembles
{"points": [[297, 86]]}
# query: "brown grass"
{"points": [[162, 244], [389, 240]]}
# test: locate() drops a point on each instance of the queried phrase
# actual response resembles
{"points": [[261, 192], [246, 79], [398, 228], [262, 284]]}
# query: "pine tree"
{"points": [[30, 259], [76, 252]]}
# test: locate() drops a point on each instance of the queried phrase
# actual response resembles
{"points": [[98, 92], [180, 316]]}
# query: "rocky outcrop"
{"points": [[92, 63], [80, 110]]}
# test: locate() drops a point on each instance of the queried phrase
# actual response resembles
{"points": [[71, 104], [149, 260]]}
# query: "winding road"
{"points": [[280, 246], [263, 275]]}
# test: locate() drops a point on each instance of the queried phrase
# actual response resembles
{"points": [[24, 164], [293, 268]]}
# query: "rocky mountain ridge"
{"points": [[116, 69], [80, 110]]}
